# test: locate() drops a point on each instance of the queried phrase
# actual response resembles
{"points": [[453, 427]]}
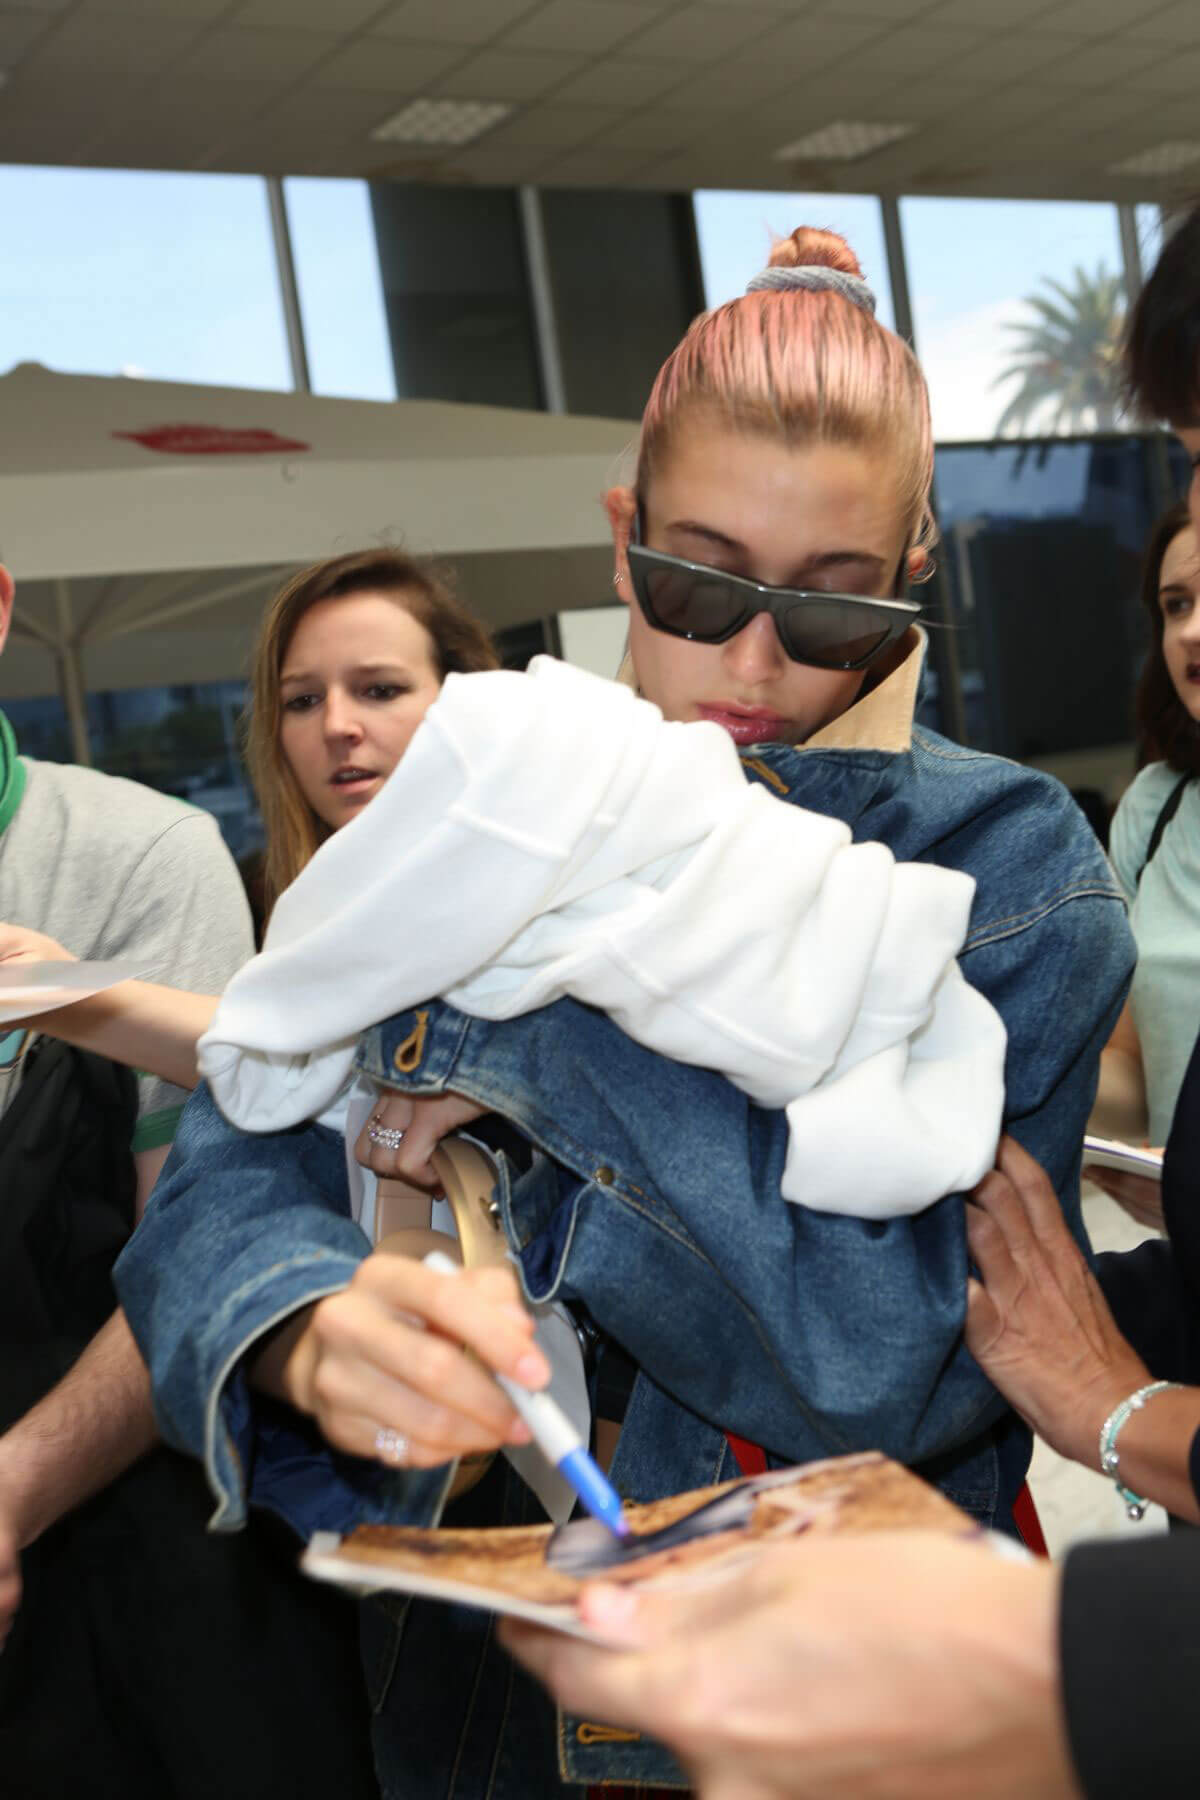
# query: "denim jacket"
{"points": [[654, 1201]]}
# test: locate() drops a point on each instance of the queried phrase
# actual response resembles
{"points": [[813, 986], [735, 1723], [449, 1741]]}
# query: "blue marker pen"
{"points": [[556, 1437]]}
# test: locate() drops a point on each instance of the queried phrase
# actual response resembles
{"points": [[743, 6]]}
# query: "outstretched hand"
{"points": [[1037, 1323], [19, 944], [900, 1665]]}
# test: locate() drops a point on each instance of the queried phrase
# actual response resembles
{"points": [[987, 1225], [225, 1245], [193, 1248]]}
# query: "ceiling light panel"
{"points": [[842, 141], [1161, 159], [441, 121]]}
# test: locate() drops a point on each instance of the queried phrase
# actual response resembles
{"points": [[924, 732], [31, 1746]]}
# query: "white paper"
{"points": [[1107, 1153], [29, 988]]}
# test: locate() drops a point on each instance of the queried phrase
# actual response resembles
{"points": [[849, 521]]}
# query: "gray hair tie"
{"points": [[816, 278]]}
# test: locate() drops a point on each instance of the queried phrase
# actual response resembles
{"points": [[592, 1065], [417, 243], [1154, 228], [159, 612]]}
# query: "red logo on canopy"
{"points": [[213, 440]]}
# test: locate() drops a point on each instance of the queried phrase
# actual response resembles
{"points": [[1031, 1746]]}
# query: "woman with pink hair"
{"points": [[779, 510]]}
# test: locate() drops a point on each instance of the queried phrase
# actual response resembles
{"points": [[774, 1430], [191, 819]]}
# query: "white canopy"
{"points": [[126, 505]]}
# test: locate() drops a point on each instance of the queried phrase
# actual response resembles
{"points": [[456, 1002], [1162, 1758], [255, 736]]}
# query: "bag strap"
{"points": [[1170, 807]]}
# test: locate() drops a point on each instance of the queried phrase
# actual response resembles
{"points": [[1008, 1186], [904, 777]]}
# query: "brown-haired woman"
{"points": [[350, 654], [1155, 850]]}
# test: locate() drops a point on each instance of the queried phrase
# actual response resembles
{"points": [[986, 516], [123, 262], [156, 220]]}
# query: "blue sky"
{"points": [[970, 264], [172, 276]]}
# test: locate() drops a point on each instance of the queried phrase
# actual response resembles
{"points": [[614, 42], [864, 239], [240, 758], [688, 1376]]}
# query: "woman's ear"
{"points": [[620, 505], [920, 563], [7, 589]]}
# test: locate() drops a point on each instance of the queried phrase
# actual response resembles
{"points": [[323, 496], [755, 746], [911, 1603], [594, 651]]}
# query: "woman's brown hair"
{"points": [[461, 645], [1166, 731]]}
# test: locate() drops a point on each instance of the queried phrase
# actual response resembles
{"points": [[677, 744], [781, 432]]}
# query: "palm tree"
{"points": [[1067, 357]]}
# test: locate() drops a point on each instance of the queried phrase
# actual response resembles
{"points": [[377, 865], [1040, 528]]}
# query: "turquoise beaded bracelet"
{"points": [[1110, 1462]]}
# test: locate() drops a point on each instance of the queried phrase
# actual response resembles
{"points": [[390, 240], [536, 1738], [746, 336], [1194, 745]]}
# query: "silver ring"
{"points": [[384, 1135], [392, 1446]]}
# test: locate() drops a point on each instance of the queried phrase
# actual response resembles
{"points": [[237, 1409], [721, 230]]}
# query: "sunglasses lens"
{"points": [[692, 605], [832, 634]]}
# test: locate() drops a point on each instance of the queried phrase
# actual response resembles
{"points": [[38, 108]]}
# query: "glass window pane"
{"points": [[116, 271], [1149, 236], [621, 269], [1041, 548], [736, 231], [182, 740], [1017, 309], [341, 293], [459, 314]]}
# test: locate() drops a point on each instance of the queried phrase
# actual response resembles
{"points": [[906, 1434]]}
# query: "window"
{"points": [[735, 232], [1017, 311], [182, 740], [112, 271], [341, 293], [1041, 548]]}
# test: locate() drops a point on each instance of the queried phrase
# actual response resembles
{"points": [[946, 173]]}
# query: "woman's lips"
{"points": [[352, 781], [746, 725]]}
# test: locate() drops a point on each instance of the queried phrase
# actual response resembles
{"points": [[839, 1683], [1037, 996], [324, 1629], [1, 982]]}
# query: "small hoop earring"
{"points": [[617, 580]]}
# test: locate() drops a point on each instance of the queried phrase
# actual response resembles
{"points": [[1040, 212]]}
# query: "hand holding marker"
{"points": [[556, 1437]]}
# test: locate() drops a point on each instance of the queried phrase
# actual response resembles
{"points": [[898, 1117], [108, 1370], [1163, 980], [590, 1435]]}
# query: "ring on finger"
{"points": [[391, 1446], [386, 1136]]}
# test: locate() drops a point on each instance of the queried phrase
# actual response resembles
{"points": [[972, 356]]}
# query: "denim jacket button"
{"points": [[604, 1175]]}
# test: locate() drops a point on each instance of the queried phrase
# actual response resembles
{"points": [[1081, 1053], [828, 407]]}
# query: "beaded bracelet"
{"points": [[1110, 1462]]}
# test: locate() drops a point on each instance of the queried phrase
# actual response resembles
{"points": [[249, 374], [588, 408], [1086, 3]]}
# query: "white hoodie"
{"points": [[549, 833]]}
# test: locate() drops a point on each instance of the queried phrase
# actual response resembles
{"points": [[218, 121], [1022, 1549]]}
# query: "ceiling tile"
{"points": [[1100, 64], [666, 128], [239, 53], [498, 167], [982, 13], [704, 33], [591, 167], [620, 81], [934, 101], [507, 75], [1175, 25], [1011, 106], [734, 84], [443, 22], [553, 127], [43, 6], [156, 9], [17, 32], [588, 26], [818, 39], [1178, 74], [1016, 56], [309, 15], [1093, 17], [386, 66], [916, 51], [104, 41], [340, 114], [887, 12]]}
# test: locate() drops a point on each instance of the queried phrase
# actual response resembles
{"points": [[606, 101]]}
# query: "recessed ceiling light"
{"points": [[841, 141], [441, 121], [1162, 159]]}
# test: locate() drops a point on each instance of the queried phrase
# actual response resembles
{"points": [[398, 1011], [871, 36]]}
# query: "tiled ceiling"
{"points": [[1007, 97]]}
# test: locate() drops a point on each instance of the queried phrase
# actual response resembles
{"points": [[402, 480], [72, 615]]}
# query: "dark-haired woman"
{"points": [[1155, 850]]}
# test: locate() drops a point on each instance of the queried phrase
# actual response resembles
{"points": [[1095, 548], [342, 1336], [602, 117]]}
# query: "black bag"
{"points": [[67, 1202], [1170, 807]]}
